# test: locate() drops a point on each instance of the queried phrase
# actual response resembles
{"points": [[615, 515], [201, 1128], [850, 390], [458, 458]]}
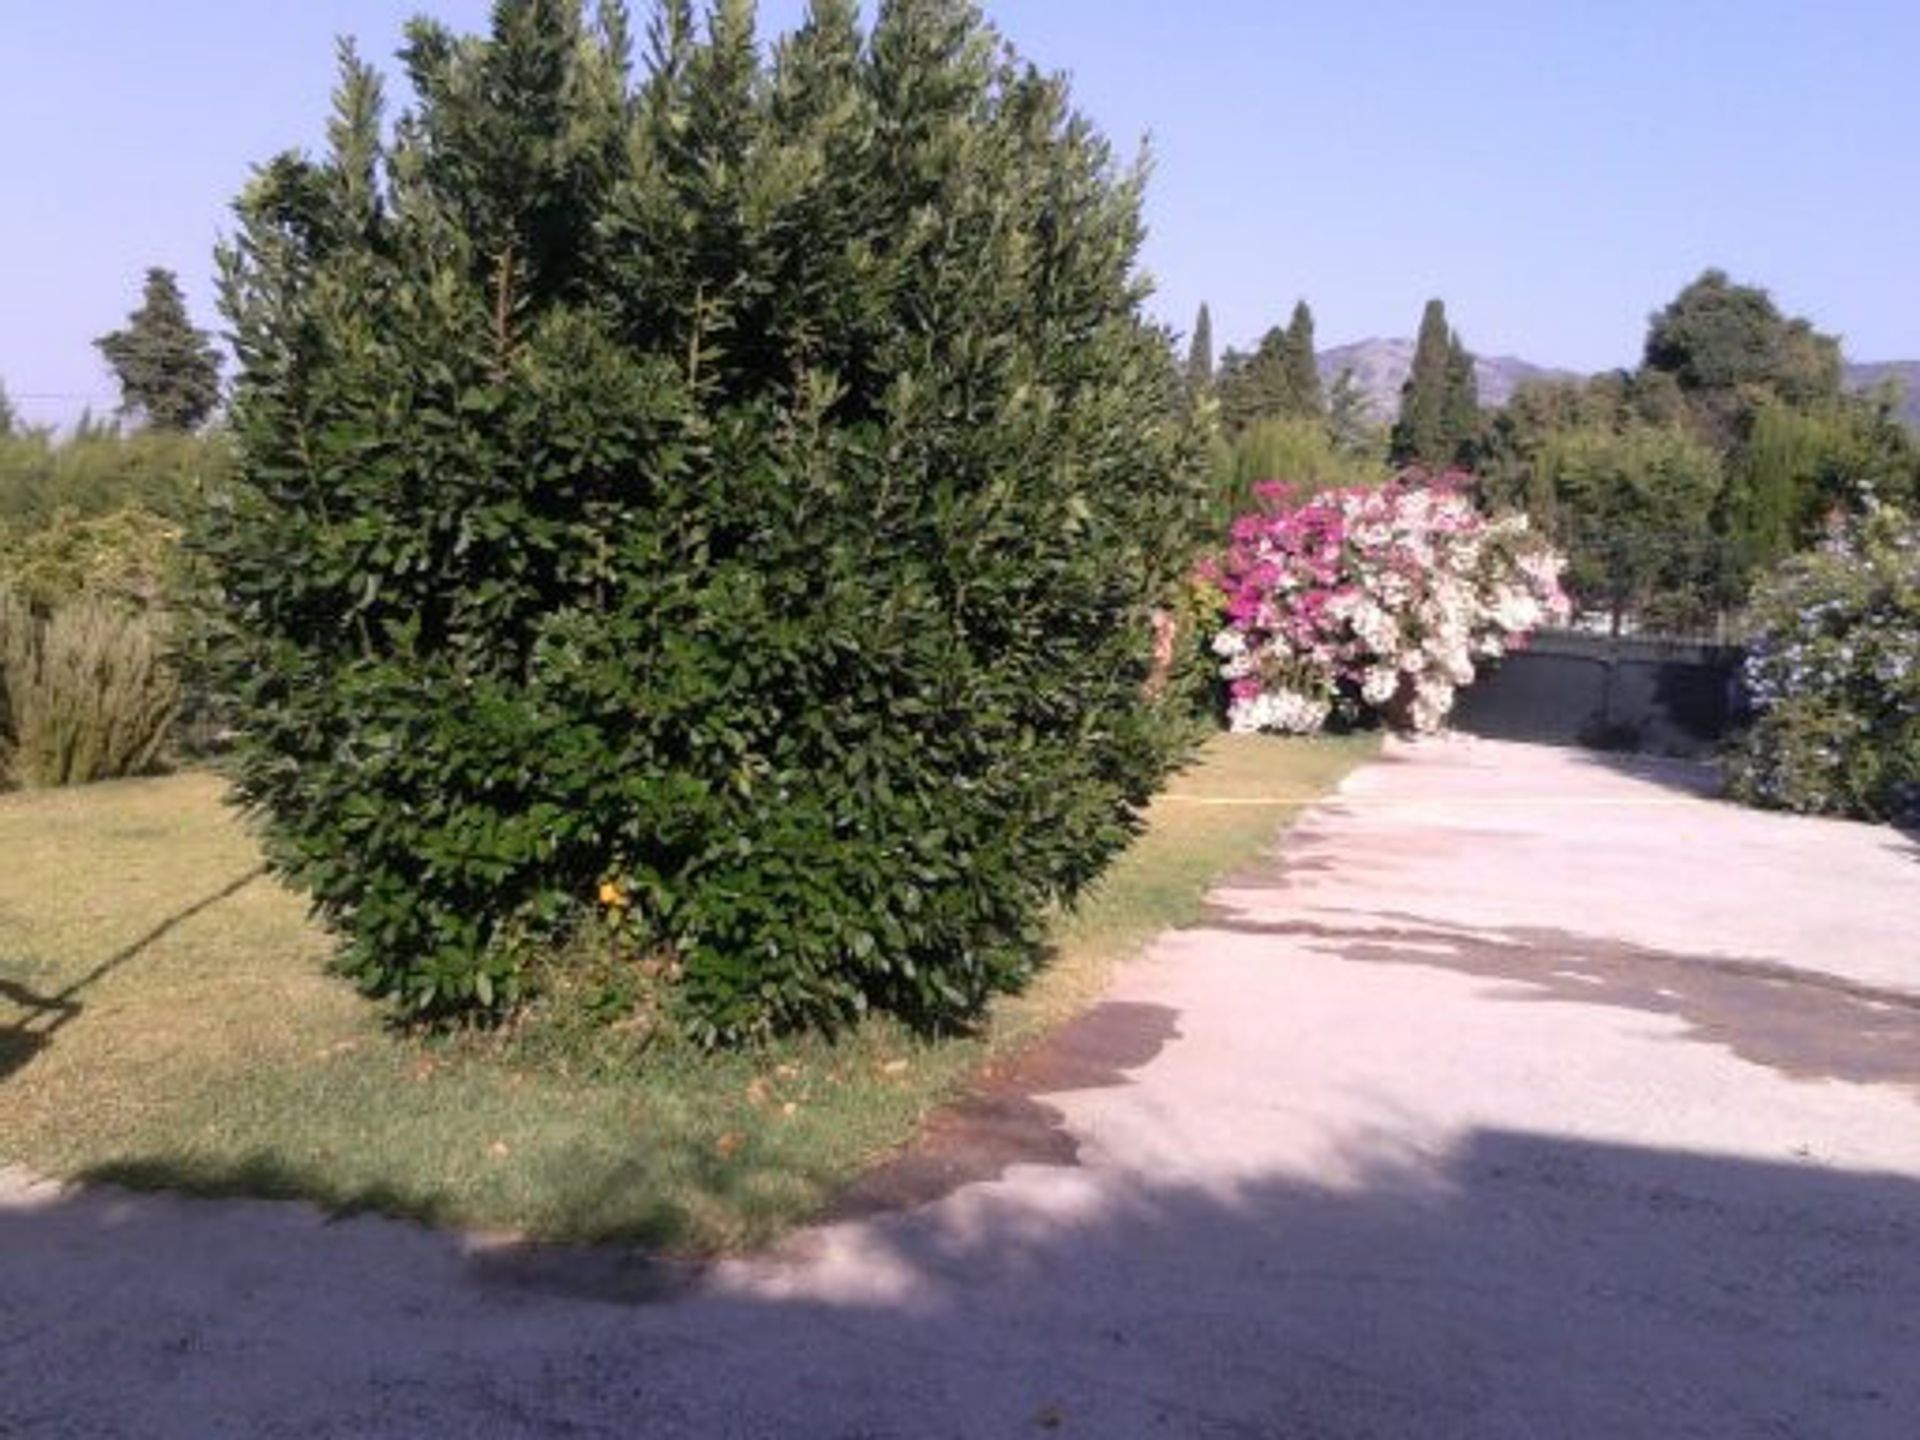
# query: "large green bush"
{"points": [[1834, 672], [739, 495]]}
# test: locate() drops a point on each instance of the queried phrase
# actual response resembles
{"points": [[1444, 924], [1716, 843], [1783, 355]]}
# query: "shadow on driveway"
{"points": [[1520, 1285]]}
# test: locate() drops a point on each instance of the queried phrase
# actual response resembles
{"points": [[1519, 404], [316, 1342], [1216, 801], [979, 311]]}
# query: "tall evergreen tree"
{"points": [[9, 418], [1461, 413], [1280, 380], [168, 371], [1420, 436], [1254, 387], [1303, 393], [1200, 354]]}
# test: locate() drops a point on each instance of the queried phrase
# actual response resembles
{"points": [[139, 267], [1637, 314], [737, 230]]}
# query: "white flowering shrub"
{"points": [[1833, 677], [1372, 602]]}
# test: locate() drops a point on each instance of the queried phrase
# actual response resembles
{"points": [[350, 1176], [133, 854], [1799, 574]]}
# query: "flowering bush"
{"points": [[1371, 601], [1833, 675]]}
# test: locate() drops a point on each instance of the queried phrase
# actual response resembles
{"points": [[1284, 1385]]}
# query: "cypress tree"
{"points": [[1303, 394], [1429, 400], [1200, 355], [168, 371], [1461, 413]]}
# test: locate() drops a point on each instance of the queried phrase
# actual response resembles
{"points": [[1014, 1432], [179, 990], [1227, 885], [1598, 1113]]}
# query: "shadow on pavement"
{"points": [[1797, 1022], [1702, 778], [1518, 1285]]}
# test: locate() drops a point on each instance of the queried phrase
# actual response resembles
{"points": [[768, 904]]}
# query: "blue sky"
{"points": [[1554, 169]]}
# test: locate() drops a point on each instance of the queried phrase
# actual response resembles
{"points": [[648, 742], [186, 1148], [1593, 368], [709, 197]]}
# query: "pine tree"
{"points": [[1200, 355], [9, 417], [168, 371], [1303, 395]]}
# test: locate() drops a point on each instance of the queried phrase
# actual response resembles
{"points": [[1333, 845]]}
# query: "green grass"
{"points": [[156, 1030]]}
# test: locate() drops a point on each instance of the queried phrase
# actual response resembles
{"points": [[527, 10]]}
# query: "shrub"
{"points": [[87, 693], [746, 491], [1369, 603], [1301, 449], [125, 555], [98, 471], [1833, 675]]}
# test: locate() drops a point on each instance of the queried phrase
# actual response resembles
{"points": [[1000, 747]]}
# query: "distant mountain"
{"points": [[1381, 367], [1906, 373]]}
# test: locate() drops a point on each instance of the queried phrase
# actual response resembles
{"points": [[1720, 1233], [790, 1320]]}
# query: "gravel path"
{"points": [[1518, 1095]]}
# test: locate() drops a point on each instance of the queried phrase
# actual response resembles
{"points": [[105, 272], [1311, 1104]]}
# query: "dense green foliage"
{"points": [[1674, 486], [1796, 467], [739, 495], [1720, 340], [127, 556], [169, 374], [1834, 672], [97, 471], [1630, 505], [1300, 453], [1439, 404], [1280, 380]]}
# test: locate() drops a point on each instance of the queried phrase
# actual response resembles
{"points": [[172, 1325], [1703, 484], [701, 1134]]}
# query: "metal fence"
{"points": [[1650, 694]]}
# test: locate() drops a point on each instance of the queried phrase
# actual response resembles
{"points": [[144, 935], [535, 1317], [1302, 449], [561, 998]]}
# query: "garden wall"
{"points": [[1649, 694]]}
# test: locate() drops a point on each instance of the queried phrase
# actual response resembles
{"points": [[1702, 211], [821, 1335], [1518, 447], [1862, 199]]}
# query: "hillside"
{"points": [[1905, 373], [1381, 368]]}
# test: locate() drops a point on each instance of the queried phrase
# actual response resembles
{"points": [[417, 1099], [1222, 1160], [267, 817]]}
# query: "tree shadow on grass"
{"points": [[1517, 1284], [46, 1015]]}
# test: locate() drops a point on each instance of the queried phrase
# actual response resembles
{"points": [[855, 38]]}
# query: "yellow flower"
{"points": [[612, 896]]}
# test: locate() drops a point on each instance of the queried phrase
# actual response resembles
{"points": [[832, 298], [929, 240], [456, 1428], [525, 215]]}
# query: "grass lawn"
{"points": [[167, 1020]]}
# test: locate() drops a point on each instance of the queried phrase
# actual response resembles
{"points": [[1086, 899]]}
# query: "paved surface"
{"points": [[1519, 1096]]}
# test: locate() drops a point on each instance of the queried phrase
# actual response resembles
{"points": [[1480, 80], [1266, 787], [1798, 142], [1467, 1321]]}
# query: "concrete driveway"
{"points": [[1519, 1095]]}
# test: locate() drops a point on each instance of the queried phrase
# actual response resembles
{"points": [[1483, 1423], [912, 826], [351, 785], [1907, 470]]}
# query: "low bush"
{"points": [[1833, 675], [1300, 449], [88, 693]]}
